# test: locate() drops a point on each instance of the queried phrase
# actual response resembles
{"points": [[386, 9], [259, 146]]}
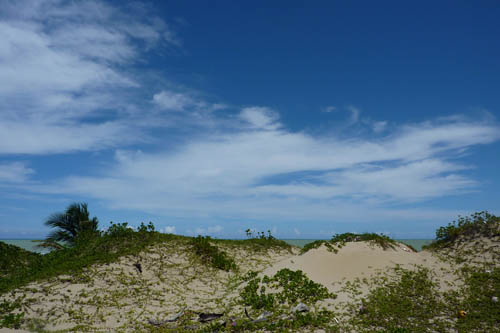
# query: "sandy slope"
{"points": [[359, 260], [118, 297]]}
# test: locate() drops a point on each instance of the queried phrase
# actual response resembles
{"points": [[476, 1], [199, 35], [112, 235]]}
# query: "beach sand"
{"points": [[117, 297]]}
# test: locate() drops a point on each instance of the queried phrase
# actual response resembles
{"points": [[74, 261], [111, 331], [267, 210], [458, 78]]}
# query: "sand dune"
{"points": [[118, 296]]}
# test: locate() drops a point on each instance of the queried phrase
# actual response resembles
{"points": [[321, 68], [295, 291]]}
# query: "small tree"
{"points": [[73, 223]]}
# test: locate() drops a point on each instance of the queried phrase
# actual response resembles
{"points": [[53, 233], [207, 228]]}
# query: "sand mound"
{"points": [[117, 297], [354, 260], [475, 251]]}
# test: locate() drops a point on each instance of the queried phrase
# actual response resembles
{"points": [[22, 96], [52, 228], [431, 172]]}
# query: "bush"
{"points": [[475, 225]]}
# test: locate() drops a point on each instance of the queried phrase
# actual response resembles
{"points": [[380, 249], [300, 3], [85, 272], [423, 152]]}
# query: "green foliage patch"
{"points": [[279, 293], [13, 257], [8, 316], [210, 254], [339, 240], [119, 240], [477, 298], [410, 303], [468, 227]]}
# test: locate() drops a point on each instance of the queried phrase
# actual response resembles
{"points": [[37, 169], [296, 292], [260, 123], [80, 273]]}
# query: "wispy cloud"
{"points": [[264, 171], [63, 74], [355, 112], [329, 109], [14, 172]]}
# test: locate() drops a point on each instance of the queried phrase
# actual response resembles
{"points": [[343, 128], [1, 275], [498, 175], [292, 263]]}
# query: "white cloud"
{"points": [[329, 109], [62, 71], [208, 231], [355, 112], [296, 231], [257, 173], [172, 101], [168, 229], [379, 126], [14, 172], [260, 117]]}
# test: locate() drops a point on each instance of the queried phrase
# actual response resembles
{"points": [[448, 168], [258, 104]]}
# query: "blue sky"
{"points": [[214, 117]]}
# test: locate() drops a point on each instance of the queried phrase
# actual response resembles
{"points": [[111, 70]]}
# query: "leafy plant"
{"points": [[410, 303], [476, 297], [288, 287], [277, 294]]}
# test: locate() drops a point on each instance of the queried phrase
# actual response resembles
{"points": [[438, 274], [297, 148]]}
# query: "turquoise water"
{"points": [[27, 244], [416, 243], [30, 245]]}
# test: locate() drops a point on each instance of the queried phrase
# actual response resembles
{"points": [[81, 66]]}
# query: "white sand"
{"points": [[116, 296]]}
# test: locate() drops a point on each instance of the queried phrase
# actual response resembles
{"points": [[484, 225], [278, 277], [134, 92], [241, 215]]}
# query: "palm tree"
{"points": [[71, 224]]}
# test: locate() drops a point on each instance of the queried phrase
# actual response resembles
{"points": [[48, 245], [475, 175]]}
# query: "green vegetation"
{"points": [[466, 228], [12, 257], [75, 222], [88, 249], [211, 255], [278, 295], [409, 303], [339, 240], [477, 298], [400, 300], [262, 242], [8, 316]]}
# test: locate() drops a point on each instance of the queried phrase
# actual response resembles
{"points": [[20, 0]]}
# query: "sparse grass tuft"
{"points": [[9, 317]]}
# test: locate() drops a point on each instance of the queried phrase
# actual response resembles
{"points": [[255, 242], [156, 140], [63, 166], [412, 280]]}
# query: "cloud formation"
{"points": [[64, 77], [14, 172], [264, 171]]}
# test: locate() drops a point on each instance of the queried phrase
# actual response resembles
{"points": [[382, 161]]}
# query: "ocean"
{"points": [[30, 244], [27, 244]]}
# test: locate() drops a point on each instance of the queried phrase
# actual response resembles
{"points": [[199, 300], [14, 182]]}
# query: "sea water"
{"points": [[27, 244]]}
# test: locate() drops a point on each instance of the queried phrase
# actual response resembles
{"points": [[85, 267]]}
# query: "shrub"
{"points": [[475, 225]]}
